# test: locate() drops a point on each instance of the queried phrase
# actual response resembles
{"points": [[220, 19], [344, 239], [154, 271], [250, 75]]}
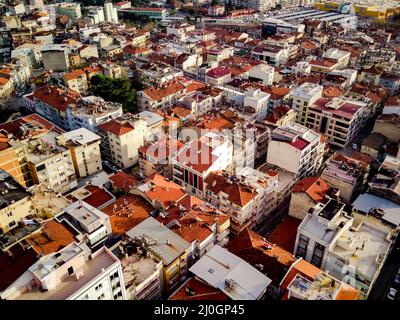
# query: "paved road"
{"points": [[387, 274]]}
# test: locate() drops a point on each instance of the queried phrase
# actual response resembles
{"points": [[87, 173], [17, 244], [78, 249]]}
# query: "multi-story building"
{"points": [[274, 55], [306, 194], [93, 225], [55, 57], [252, 286], [233, 197], [121, 139], [71, 10], [156, 157], [171, 249], [141, 269], [65, 108], [50, 164], [72, 273], [302, 149], [198, 158], [302, 97], [351, 251], [342, 57], [84, 146], [339, 119], [110, 12], [348, 174], [77, 81], [15, 204]]}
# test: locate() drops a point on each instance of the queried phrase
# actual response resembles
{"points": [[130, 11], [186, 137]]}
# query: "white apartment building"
{"points": [[339, 119], [351, 251], [89, 112], [274, 55], [198, 158], [93, 225], [266, 187], [121, 139], [110, 12], [73, 273], [256, 102], [302, 97], [84, 146], [342, 57], [51, 164], [262, 72], [96, 14], [296, 149]]}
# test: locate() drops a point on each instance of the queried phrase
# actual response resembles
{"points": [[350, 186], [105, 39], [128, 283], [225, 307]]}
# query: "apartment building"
{"points": [[167, 94], [274, 55], [51, 164], [233, 276], [93, 225], [348, 174], [339, 119], [72, 273], [156, 157], [342, 57], [351, 251], [302, 148], [306, 194], [233, 197], [198, 158], [304, 96], [121, 139], [218, 76], [141, 270], [171, 249], [15, 204], [55, 57], [77, 81], [84, 146], [71, 10]]}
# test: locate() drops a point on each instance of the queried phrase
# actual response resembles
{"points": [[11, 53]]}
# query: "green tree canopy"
{"points": [[115, 90]]}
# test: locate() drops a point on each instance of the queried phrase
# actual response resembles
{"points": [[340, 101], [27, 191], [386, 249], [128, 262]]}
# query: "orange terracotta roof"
{"points": [[237, 192], [56, 97], [123, 180], [117, 128], [347, 292], [98, 197], [161, 149], [191, 230], [163, 191], [53, 238], [331, 92], [167, 90], [314, 187], [3, 81], [74, 74], [181, 112], [127, 212], [197, 156]]}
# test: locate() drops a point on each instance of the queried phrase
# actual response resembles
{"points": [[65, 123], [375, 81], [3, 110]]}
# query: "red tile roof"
{"points": [[315, 187], [237, 192], [118, 128], [53, 238], [218, 72], [98, 196], [123, 180], [56, 97], [127, 212]]}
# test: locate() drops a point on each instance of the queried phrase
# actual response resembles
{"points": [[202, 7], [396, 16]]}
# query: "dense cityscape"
{"points": [[200, 150]]}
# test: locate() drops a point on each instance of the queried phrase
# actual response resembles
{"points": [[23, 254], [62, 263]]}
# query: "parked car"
{"points": [[392, 293]]}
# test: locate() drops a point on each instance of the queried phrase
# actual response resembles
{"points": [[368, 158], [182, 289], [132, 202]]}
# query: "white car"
{"points": [[392, 293]]}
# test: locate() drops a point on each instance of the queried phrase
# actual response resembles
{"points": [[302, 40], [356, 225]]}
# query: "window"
{"points": [[98, 287], [70, 270], [302, 246], [101, 297], [318, 254]]}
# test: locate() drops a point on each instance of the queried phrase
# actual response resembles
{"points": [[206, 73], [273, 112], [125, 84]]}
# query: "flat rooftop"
{"points": [[91, 269]]}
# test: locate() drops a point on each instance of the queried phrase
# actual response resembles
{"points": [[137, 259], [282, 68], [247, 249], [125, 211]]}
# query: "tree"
{"points": [[215, 2], [115, 90]]}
